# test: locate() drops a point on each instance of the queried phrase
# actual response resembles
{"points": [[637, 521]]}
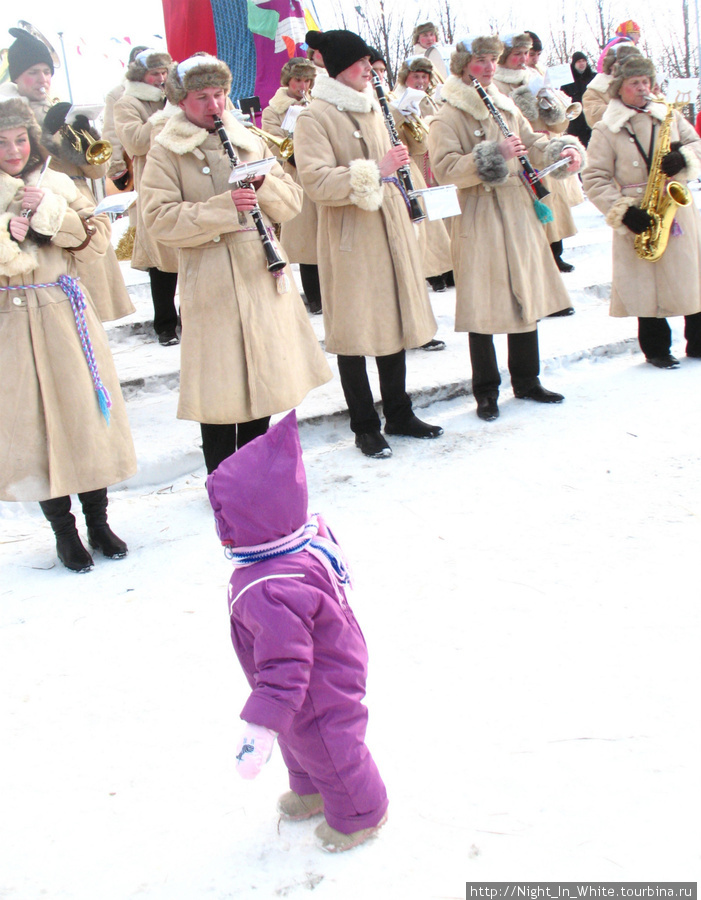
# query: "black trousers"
{"points": [[220, 441], [163, 284], [655, 336], [310, 285], [524, 363], [396, 403]]}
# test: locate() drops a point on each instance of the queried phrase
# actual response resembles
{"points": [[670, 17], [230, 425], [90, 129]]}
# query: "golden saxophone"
{"points": [[661, 197]]}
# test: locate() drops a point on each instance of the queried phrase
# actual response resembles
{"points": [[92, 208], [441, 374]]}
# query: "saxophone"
{"points": [[661, 198]]}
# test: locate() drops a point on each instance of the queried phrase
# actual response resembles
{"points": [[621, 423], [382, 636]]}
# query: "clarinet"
{"points": [[530, 176], [416, 214], [274, 261]]}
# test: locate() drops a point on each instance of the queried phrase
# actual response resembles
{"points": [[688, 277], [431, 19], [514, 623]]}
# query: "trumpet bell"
{"points": [[98, 152], [284, 145]]}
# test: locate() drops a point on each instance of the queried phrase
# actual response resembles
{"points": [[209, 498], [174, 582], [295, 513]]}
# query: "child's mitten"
{"points": [[254, 749]]}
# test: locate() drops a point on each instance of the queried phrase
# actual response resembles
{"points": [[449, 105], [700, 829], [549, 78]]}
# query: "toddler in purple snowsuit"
{"points": [[297, 640]]}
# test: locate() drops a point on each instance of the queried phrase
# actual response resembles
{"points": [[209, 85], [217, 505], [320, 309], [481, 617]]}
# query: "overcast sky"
{"points": [[95, 69]]}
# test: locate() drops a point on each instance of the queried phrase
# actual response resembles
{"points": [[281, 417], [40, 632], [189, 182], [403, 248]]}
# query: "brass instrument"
{"points": [[284, 145], [547, 99], [96, 152], [415, 127], [661, 197]]}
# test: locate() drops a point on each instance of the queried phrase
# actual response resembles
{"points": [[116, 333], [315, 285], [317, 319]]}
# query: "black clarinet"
{"points": [[416, 213], [530, 176], [274, 261]]}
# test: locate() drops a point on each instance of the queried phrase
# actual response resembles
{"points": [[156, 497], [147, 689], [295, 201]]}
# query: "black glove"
{"points": [[636, 220], [673, 162], [121, 182]]}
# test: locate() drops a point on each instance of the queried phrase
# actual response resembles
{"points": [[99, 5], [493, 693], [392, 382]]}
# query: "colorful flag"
{"points": [[255, 38]]}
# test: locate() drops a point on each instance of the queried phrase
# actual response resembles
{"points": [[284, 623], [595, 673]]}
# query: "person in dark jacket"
{"points": [[582, 74]]}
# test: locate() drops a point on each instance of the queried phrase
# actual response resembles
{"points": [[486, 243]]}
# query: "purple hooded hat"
{"points": [[259, 494]]}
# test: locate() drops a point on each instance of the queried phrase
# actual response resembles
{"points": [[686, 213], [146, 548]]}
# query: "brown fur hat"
{"points": [[633, 66], [16, 113], [297, 67], [145, 61], [479, 46], [515, 42], [426, 28], [199, 71], [414, 64], [617, 54]]}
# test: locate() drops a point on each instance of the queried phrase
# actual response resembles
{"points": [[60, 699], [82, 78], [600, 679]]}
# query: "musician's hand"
{"points": [[574, 158], [32, 197], [18, 227], [512, 147], [395, 159], [244, 199], [255, 183]]}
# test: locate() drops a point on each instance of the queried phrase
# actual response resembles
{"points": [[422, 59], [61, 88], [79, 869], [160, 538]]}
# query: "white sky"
{"points": [[97, 68]]}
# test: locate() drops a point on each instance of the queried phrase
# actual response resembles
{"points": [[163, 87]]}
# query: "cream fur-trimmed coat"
{"points": [[596, 98], [615, 178], [375, 299], [433, 235], [505, 275], [134, 127], [564, 192], [53, 438], [247, 351], [298, 236]]}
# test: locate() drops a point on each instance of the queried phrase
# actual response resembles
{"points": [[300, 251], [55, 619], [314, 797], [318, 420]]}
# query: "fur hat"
{"points": [[633, 66], [339, 49], [617, 54], [297, 67], [25, 52], [520, 41], [145, 61], [199, 71], [488, 44], [414, 64], [537, 44], [134, 52], [426, 28], [15, 113]]}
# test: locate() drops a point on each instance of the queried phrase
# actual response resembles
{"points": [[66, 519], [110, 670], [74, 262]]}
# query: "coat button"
{"points": [[17, 301], [357, 134], [206, 170], [640, 190], [478, 132], [632, 140], [216, 239], [636, 163]]}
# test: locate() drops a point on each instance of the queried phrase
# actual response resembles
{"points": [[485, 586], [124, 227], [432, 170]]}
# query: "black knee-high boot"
{"points": [[100, 535], [69, 547]]}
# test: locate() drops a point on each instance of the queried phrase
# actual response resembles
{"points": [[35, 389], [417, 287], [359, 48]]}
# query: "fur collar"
{"points": [[617, 114], [512, 76], [465, 98], [142, 91], [281, 101], [600, 82], [181, 136], [55, 182], [345, 98]]}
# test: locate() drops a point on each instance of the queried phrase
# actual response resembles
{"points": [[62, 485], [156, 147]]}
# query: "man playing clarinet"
{"points": [[248, 350], [375, 299], [505, 275]]}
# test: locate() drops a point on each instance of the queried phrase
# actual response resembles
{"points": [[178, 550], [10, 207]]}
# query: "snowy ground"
{"points": [[529, 590]]}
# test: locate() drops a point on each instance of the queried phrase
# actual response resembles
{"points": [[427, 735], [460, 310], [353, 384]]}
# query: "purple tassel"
{"points": [[676, 229]]}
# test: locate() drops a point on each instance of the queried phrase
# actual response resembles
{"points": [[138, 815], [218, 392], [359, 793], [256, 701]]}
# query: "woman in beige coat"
{"points": [[102, 277], [596, 97], [375, 299], [58, 434], [505, 275], [620, 153], [143, 97], [298, 236], [417, 73], [513, 77], [248, 350]]}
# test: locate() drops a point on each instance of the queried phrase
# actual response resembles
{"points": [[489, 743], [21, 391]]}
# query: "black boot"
{"points": [[100, 535], [69, 547]]}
